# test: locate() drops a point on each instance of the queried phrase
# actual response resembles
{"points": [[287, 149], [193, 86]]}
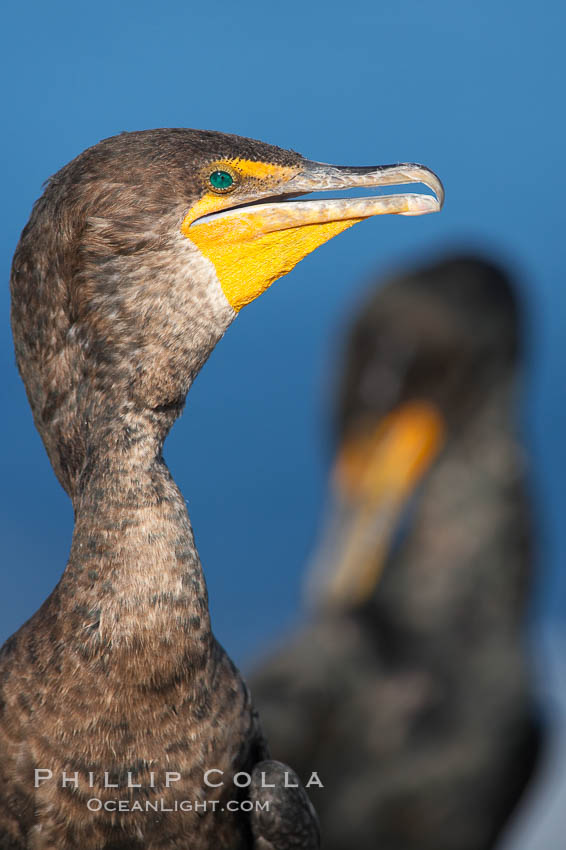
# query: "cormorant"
{"points": [[135, 260], [410, 689]]}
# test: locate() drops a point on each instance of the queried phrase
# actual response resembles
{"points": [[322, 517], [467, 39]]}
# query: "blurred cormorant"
{"points": [[409, 690]]}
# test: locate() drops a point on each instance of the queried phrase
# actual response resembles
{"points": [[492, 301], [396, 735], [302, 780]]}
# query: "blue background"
{"points": [[473, 90]]}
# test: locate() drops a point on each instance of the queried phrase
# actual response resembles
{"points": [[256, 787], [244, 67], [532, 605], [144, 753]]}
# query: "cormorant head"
{"points": [[443, 334], [425, 354], [143, 249]]}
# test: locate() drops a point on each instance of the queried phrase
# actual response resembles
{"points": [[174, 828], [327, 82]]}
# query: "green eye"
{"points": [[222, 181]]}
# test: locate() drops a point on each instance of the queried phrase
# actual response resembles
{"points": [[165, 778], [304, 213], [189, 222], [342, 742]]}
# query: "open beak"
{"points": [[282, 213], [261, 232], [319, 177], [374, 478]]}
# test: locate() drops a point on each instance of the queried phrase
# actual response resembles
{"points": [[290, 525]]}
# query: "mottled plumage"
{"points": [[114, 312]]}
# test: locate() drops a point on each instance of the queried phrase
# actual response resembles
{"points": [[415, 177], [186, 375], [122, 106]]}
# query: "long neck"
{"points": [[134, 584]]}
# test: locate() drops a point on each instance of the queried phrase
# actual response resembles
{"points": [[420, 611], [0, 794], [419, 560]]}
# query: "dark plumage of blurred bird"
{"points": [[136, 259], [409, 689]]}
